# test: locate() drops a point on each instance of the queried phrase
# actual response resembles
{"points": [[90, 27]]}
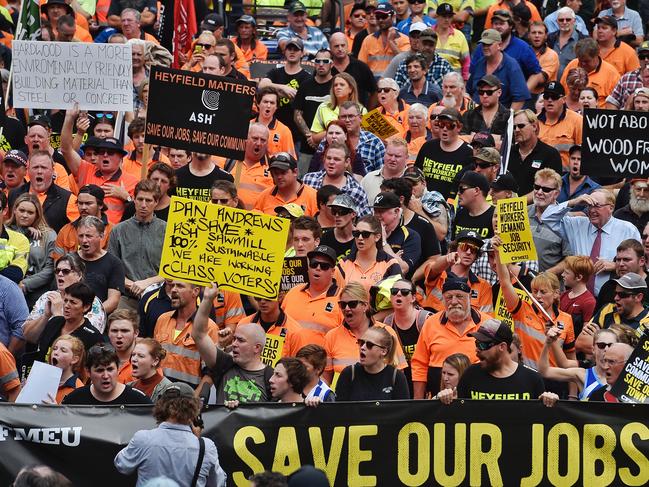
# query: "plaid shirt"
{"points": [[436, 71], [352, 188], [624, 88], [370, 148], [482, 268], [315, 39]]}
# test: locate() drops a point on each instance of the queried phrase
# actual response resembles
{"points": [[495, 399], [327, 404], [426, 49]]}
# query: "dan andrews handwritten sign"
{"points": [[199, 112], [239, 250], [57, 74], [615, 143]]}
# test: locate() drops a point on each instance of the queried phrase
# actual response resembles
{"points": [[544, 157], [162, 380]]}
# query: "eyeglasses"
{"points": [[108, 116], [381, 16], [545, 189], [598, 206], [108, 152], [349, 304], [368, 344], [552, 96], [386, 90], [445, 124], [468, 247], [205, 46], [484, 165], [65, 272], [603, 345], [624, 294], [336, 211], [359, 16], [325, 266], [404, 292], [347, 117], [416, 1], [220, 201], [608, 361], [564, 20], [362, 233], [521, 126], [322, 61], [487, 92], [484, 346], [462, 189]]}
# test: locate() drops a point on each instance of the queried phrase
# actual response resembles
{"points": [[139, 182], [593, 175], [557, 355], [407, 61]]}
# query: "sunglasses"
{"points": [[322, 61], [65, 272], [552, 96], [603, 345], [368, 344], [521, 126], [487, 92], [564, 20], [484, 346], [325, 266], [349, 304], [445, 124], [381, 16], [624, 294], [643, 57], [108, 116], [386, 90], [416, 1], [362, 233], [205, 46], [360, 16], [484, 165], [340, 211], [468, 247], [108, 152], [220, 201], [462, 189], [404, 292], [545, 189]]}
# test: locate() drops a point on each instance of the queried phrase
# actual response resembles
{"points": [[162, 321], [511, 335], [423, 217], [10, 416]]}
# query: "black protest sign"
{"points": [[615, 143], [294, 273], [633, 383], [199, 112]]}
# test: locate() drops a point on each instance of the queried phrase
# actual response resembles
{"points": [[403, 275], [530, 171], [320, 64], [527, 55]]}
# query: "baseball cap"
{"points": [[488, 154], [295, 41], [283, 161], [490, 36], [428, 35], [178, 389], [502, 14], [418, 27], [450, 114], [212, 22], [344, 201], [430, 202], [384, 8], [555, 88], [470, 235], [414, 174], [631, 280], [111, 143], [490, 80], [483, 139], [386, 200], [505, 182], [246, 19], [642, 92], [293, 209], [42, 120], [296, 7], [522, 11], [607, 20], [456, 284], [643, 47], [325, 251], [444, 9], [493, 331], [16, 156], [475, 180]]}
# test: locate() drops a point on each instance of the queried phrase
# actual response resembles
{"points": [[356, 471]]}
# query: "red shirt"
{"points": [[582, 306]]}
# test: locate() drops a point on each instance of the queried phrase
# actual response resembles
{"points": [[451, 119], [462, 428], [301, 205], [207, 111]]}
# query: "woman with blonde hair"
{"points": [[69, 354], [453, 368], [27, 217]]}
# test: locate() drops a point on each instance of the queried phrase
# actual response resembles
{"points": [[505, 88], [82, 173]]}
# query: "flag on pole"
{"points": [[184, 28], [29, 21]]}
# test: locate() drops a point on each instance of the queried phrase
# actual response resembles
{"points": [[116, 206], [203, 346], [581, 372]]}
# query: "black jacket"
{"points": [[54, 206]]}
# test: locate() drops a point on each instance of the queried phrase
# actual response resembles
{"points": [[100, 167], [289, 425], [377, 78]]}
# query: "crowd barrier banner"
{"points": [[58, 74], [411, 443], [615, 143], [199, 112], [240, 250]]}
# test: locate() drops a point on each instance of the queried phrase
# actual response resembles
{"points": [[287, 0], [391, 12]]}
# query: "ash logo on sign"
{"points": [[210, 99]]}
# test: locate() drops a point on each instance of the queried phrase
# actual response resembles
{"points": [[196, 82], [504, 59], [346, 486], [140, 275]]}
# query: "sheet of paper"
{"points": [[42, 380]]}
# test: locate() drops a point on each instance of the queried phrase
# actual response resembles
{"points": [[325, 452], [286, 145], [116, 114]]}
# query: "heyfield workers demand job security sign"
{"points": [[52, 75]]}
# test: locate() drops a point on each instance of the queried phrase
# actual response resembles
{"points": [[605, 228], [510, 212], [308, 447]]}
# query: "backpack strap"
{"points": [[422, 316], [201, 454], [394, 377], [229, 165]]}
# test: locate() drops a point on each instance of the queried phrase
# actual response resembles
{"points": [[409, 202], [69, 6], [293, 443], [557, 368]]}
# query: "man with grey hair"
{"points": [[564, 39], [240, 376], [454, 93], [551, 20], [612, 364], [131, 23]]}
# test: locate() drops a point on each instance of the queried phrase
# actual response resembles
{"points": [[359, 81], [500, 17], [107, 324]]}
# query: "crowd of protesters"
{"points": [[485, 99]]}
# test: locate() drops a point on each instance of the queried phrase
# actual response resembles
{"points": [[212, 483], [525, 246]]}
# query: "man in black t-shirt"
{"points": [[195, 179], [475, 212], [444, 160], [497, 376]]}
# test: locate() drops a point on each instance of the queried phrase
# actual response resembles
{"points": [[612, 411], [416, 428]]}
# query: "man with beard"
{"points": [[629, 258], [497, 376], [637, 211]]}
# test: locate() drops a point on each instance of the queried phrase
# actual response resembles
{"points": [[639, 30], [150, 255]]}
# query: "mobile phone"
{"points": [[198, 49]]}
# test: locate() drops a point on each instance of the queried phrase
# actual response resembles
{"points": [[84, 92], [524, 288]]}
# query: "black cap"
{"points": [[493, 331], [16, 156], [555, 88], [522, 11], [456, 284], [471, 236], [296, 7], [475, 180], [42, 120], [93, 190], [246, 19], [325, 251], [607, 20], [111, 143], [505, 182], [92, 141], [212, 22], [444, 9], [295, 41], [283, 161], [308, 476], [490, 80], [386, 200], [450, 114], [483, 139], [69, 9], [503, 14]]}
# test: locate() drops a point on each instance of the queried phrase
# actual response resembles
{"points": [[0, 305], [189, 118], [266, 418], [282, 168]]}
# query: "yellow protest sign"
{"points": [[376, 123], [273, 349], [514, 231], [501, 308], [239, 250]]}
